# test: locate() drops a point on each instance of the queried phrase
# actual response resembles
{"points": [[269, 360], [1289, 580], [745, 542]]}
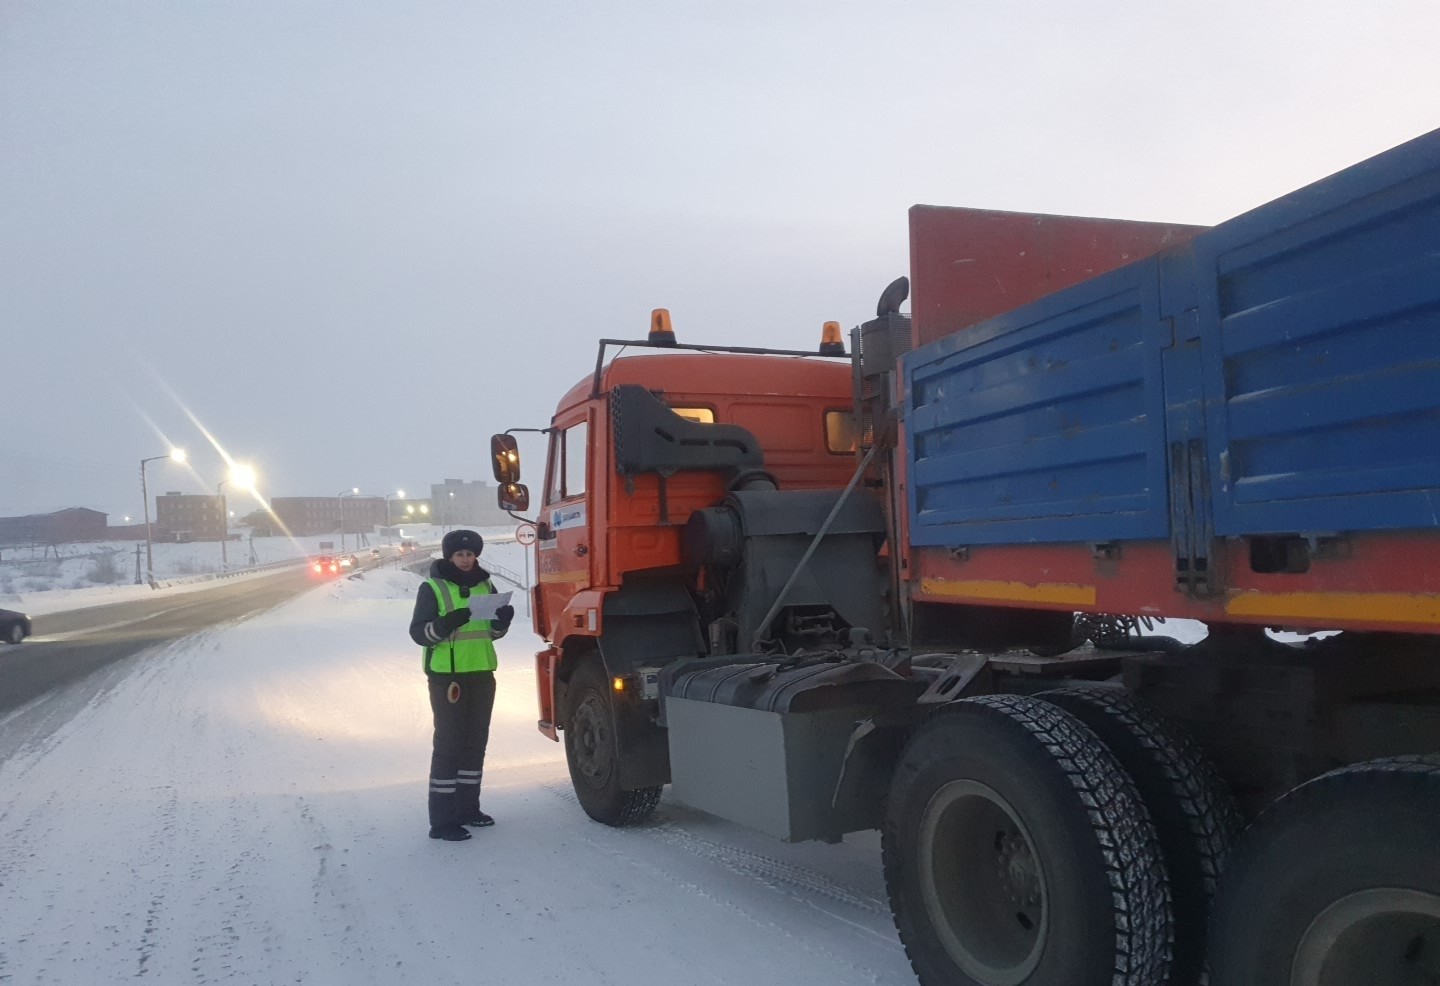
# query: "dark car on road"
{"points": [[14, 627], [325, 565]]}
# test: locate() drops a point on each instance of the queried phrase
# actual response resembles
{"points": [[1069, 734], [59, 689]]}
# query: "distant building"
{"points": [[70, 524], [189, 517], [305, 515], [457, 502]]}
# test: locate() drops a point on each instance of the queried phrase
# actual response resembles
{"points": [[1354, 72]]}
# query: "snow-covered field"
{"points": [[35, 582], [248, 806]]}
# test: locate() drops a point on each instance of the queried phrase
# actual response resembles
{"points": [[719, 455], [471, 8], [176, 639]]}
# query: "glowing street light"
{"points": [[174, 455], [243, 476]]}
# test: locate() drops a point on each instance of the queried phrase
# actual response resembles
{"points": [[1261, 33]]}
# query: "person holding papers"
{"points": [[458, 616]]}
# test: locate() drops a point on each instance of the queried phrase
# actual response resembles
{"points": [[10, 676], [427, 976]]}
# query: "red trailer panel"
{"points": [[967, 265]]}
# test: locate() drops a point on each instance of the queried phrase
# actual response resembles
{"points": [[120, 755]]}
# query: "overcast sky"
{"points": [[351, 239]]}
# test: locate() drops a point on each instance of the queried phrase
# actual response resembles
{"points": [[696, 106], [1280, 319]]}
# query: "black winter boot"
{"points": [[450, 833], [479, 820]]}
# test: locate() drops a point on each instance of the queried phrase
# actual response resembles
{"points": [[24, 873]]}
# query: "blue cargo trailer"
{"points": [[1283, 368]]}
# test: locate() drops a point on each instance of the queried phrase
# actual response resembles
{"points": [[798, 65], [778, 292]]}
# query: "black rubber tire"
{"points": [[1069, 828], [1195, 815], [15, 633], [1372, 829], [592, 751]]}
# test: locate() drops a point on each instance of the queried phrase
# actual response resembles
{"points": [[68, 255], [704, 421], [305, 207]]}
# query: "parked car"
{"points": [[14, 627]]}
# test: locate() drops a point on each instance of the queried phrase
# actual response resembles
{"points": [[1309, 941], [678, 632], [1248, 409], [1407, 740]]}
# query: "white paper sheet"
{"points": [[484, 607]]}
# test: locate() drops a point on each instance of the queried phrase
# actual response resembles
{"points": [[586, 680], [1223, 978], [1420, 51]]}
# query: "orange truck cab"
{"points": [[635, 451]]}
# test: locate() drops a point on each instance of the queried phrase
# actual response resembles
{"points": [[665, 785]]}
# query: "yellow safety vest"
{"points": [[468, 649]]}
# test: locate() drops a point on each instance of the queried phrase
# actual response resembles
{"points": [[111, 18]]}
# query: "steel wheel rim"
{"points": [[982, 884], [592, 741], [1385, 935]]}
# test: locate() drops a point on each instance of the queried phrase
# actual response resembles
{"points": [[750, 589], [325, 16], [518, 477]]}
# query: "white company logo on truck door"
{"points": [[562, 518]]}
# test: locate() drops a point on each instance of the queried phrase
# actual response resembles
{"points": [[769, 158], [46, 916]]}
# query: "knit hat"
{"points": [[458, 540]]}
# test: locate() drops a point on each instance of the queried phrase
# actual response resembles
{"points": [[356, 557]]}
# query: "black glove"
{"points": [[502, 619], [454, 620]]}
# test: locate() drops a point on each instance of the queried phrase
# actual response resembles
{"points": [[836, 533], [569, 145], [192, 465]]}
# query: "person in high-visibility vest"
{"points": [[460, 665]]}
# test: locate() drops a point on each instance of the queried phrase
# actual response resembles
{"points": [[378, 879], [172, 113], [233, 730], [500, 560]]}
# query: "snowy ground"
{"points": [[248, 806], [35, 582]]}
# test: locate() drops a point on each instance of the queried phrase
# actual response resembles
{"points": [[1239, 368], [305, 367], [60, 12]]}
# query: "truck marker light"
{"points": [[661, 334], [618, 684], [831, 342]]}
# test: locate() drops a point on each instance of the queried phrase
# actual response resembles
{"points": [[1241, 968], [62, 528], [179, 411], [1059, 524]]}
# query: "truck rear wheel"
{"points": [[1194, 813], [1337, 883], [1017, 851], [592, 751]]}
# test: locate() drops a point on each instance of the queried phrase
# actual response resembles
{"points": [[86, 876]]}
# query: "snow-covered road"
{"points": [[249, 806]]}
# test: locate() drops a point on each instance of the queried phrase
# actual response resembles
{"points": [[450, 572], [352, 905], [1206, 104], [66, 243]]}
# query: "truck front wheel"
{"points": [[1017, 851], [592, 750], [1337, 883]]}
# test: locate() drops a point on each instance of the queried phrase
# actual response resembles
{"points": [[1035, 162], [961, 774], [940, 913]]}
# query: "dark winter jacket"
{"points": [[427, 607]]}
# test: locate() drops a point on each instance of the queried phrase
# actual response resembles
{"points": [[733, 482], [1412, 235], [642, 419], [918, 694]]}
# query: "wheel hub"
{"points": [[592, 742], [982, 883], [1385, 935]]}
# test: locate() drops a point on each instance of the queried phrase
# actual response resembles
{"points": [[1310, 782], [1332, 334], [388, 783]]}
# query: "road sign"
{"points": [[525, 534]]}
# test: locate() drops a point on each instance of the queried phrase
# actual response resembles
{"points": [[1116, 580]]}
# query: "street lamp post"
{"points": [[242, 476], [397, 493], [174, 455], [352, 491]]}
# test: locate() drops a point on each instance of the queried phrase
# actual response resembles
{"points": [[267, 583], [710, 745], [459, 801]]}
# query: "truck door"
{"points": [[564, 551]]}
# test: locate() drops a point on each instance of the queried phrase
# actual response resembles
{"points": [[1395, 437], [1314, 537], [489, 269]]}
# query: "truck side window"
{"points": [[840, 431], [576, 444], [555, 474], [567, 463]]}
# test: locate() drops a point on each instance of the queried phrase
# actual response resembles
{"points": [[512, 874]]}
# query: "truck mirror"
{"points": [[514, 497], [505, 458]]}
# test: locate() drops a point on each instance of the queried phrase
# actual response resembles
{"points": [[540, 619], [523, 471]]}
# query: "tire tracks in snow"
{"points": [[850, 907]]}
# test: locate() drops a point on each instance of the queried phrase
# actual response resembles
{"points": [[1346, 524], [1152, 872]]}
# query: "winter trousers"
{"points": [[462, 704]]}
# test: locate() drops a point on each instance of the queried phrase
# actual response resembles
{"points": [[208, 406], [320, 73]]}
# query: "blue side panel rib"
{"points": [[1320, 321], [1044, 424]]}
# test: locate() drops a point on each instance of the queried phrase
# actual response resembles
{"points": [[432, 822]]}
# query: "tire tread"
{"points": [[1116, 815], [1413, 777]]}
